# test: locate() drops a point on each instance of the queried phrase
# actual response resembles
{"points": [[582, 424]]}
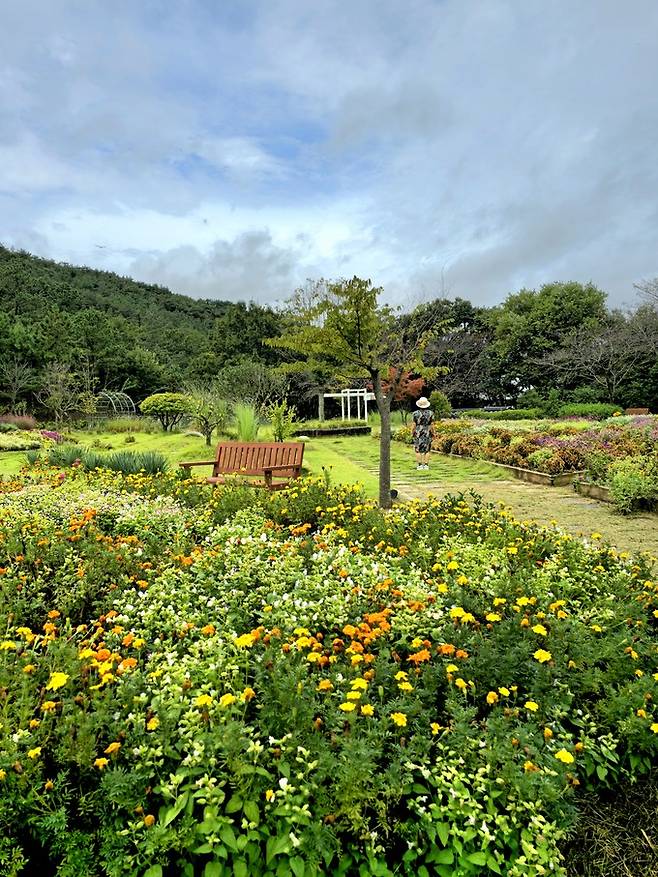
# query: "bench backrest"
{"points": [[251, 458]]}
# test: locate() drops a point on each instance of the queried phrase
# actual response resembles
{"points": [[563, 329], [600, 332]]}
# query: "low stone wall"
{"points": [[529, 475], [593, 491]]}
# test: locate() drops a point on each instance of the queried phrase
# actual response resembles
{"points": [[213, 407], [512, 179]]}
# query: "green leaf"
{"points": [[228, 838], [298, 866], [234, 804], [275, 846], [154, 871], [251, 811], [493, 865], [176, 809], [213, 869], [444, 857], [443, 831], [479, 858], [240, 868]]}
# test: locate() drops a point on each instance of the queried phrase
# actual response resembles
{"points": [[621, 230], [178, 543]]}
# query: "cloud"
{"points": [[470, 147]]}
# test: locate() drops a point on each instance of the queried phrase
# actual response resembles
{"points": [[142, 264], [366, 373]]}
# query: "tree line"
{"points": [[69, 326]]}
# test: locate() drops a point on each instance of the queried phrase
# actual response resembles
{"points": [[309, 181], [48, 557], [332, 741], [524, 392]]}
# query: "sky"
{"points": [[232, 149]]}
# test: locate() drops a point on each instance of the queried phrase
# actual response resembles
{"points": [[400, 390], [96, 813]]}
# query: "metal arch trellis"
{"points": [[114, 403]]}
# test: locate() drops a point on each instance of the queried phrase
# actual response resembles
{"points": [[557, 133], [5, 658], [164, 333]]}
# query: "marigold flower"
{"points": [[548, 733], [493, 616], [654, 727], [539, 629], [347, 707], [29, 668], [419, 657], [48, 705], [641, 713], [542, 656], [244, 641], [227, 700], [367, 709], [565, 756], [531, 705], [325, 685], [34, 753], [353, 695], [269, 794], [529, 767], [360, 684], [112, 748], [248, 694], [203, 700], [461, 684], [504, 691], [48, 785], [435, 728], [400, 719], [149, 820], [153, 724], [492, 697], [405, 686]]}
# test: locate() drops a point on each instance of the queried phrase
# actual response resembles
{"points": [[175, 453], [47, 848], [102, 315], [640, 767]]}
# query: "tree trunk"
{"points": [[208, 437], [321, 405], [384, 407]]}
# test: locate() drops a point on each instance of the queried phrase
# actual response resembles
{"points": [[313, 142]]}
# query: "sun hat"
{"points": [[423, 402]]}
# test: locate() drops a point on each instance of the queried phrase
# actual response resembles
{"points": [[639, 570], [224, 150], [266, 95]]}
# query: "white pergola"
{"points": [[361, 397]]}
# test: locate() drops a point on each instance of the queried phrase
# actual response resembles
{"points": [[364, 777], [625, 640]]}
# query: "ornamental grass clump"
{"points": [[247, 422]]}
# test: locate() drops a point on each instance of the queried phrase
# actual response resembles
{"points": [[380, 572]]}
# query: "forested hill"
{"points": [[134, 334]]}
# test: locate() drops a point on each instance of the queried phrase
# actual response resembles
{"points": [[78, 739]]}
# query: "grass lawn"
{"points": [[355, 459]]}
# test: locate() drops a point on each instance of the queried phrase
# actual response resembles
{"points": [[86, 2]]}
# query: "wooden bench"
{"points": [[269, 460], [637, 411]]}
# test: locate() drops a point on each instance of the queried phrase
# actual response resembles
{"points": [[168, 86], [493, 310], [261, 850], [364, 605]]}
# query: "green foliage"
{"points": [[282, 420], [595, 410], [208, 408], [440, 404], [247, 422], [17, 440], [168, 408], [633, 483], [128, 424]]}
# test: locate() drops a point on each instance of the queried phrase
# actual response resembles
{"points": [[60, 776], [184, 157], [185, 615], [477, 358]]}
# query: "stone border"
{"points": [[593, 491], [339, 430], [530, 475]]}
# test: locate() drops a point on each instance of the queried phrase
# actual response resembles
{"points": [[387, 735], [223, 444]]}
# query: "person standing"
{"points": [[422, 432]]}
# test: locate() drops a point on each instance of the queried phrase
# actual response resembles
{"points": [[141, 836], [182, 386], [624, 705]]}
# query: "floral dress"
{"points": [[423, 419]]}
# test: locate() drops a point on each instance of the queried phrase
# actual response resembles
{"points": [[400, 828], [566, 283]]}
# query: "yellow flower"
{"points": [[597, 628], [367, 709], [149, 820], [29, 668], [34, 723], [512, 549], [492, 697], [356, 659], [34, 753], [654, 727], [542, 656], [597, 536], [8, 645], [269, 794], [547, 733], [57, 680], [564, 756], [529, 767], [493, 616], [400, 675], [361, 684], [641, 713], [452, 565], [459, 683], [153, 723], [539, 629], [435, 728], [452, 668], [347, 707], [203, 700], [531, 705], [100, 763], [244, 641], [112, 748], [399, 719], [353, 695], [504, 691], [324, 685], [405, 686], [248, 694], [227, 699], [48, 705]]}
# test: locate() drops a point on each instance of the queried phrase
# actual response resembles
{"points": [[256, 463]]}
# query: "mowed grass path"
{"points": [[356, 459]]}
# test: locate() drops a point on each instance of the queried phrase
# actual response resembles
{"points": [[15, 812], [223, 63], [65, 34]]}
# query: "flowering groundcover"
{"points": [[218, 682]]}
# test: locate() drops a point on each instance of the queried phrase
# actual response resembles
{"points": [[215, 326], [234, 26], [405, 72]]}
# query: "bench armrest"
{"points": [[198, 463]]}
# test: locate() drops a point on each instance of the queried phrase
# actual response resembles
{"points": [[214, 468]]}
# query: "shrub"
{"points": [[20, 421], [440, 404], [132, 462], [129, 424], [129, 439], [247, 422], [594, 410], [18, 440], [7, 427], [168, 408], [282, 420], [633, 483]]}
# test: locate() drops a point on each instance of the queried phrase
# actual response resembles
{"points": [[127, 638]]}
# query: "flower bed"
{"points": [[559, 447], [222, 682], [22, 440]]}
